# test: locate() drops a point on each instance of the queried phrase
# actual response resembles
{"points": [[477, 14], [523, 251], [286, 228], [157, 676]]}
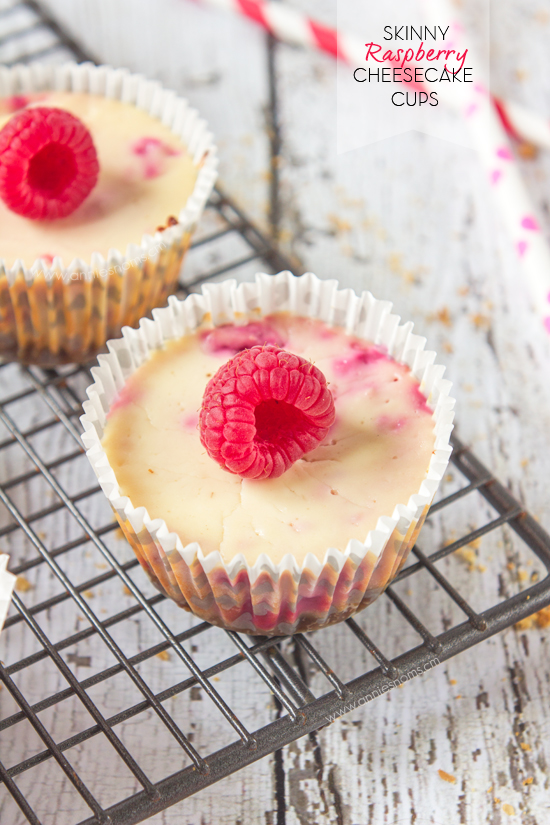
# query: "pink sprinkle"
{"points": [[548, 297], [504, 153], [47, 257], [478, 87], [522, 248], [472, 108], [547, 325], [496, 175], [529, 222], [125, 396]]}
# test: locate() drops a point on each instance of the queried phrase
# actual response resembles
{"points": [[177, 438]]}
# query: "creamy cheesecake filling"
{"points": [[146, 175], [375, 456]]}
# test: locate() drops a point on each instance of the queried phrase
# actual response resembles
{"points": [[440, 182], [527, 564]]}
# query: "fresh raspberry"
{"points": [[263, 410], [48, 163]]}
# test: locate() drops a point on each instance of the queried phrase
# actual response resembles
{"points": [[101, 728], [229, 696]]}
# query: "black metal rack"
{"points": [[42, 478]]}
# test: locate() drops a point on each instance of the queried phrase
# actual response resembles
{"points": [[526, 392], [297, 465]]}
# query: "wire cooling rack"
{"points": [[64, 546]]}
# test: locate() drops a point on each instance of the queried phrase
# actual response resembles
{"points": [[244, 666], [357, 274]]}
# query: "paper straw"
{"points": [[292, 26], [523, 124], [7, 583], [486, 118], [490, 140]]}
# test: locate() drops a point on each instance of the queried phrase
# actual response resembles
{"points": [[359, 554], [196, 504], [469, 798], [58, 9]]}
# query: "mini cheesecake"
{"points": [[72, 278], [285, 548], [375, 455], [145, 177]]}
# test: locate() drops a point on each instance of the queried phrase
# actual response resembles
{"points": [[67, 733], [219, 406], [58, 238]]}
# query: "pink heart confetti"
{"points": [[496, 175], [547, 325], [529, 222], [504, 153], [522, 248]]}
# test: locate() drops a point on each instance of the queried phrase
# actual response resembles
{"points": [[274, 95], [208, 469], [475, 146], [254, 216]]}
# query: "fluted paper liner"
{"points": [[7, 583], [286, 597], [65, 311]]}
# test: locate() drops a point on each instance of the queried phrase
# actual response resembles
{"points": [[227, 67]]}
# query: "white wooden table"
{"points": [[411, 219]]}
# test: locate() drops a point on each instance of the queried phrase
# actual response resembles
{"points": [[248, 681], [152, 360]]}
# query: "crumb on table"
{"points": [[541, 619], [447, 777]]}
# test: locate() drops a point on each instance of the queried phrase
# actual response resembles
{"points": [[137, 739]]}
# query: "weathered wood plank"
{"points": [[411, 219]]}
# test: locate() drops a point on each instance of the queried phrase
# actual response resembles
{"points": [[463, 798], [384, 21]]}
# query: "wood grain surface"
{"points": [[410, 218]]}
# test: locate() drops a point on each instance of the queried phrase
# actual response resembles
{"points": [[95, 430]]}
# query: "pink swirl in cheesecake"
{"points": [[129, 394], [360, 356], [153, 152], [145, 175], [375, 456], [419, 403], [17, 102], [227, 340], [190, 421]]}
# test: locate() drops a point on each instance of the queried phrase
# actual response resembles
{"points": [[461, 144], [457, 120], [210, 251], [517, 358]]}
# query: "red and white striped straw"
{"points": [[488, 120], [292, 26], [480, 113]]}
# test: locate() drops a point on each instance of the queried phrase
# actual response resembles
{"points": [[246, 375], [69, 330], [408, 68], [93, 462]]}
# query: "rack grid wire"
{"points": [[41, 473]]}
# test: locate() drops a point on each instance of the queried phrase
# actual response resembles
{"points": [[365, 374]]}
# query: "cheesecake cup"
{"points": [[271, 596], [56, 310]]}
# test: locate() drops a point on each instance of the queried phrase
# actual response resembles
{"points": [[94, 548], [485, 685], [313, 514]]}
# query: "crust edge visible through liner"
{"points": [[269, 598]]}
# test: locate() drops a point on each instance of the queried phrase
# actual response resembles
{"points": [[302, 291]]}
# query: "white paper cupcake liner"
{"points": [[7, 583], [66, 310], [267, 597]]}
